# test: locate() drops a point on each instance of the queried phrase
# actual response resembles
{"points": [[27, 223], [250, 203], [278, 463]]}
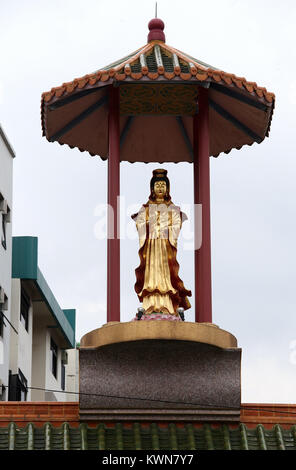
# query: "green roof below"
{"points": [[71, 316], [24, 257], [146, 437], [25, 266]]}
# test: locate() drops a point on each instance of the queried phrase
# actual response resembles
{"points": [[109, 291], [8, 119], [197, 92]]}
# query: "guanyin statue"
{"points": [[159, 222]]}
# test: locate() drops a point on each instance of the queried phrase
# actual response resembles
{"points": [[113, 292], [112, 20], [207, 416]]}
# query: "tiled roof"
{"points": [[55, 425], [152, 436], [154, 61], [155, 112]]}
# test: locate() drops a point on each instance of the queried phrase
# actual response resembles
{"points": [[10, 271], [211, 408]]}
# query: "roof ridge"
{"points": [[131, 59], [200, 62], [183, 56], [112, 64]]}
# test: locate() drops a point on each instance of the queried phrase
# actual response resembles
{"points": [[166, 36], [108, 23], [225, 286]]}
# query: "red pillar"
{"points": [[113, 242], [201, 165]]}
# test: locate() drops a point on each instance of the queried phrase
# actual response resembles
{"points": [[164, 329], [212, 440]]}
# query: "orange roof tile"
{"points": [[240, 110], [123, 70]]}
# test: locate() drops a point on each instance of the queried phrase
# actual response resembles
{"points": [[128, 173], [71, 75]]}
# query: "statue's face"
{"points": [[160, 188]]}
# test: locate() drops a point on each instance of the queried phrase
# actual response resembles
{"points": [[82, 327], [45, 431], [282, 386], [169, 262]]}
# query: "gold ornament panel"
{"points": [[170, 99]]}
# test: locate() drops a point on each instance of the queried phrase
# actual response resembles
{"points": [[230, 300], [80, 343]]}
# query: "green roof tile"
{"points": [[146, 437], [155, 436], [243, 437], [190, 437], [101, 437]]}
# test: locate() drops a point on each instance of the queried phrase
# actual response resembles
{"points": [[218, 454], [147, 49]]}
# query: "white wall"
{"points": [[21, 343], [14, 318], [72, 375], [52, 383], [38, 361], [25, 351], [30, 350], [42, 376], [6, 166]]}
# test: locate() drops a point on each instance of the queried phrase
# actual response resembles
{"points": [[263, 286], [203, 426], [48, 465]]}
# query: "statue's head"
{"points": [[160, 185]]}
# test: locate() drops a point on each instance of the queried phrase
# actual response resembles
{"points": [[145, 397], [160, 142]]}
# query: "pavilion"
{"points": [[158, 104]]}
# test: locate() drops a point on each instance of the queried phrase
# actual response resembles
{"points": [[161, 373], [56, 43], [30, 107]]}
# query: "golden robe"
{"points": [[158, 285]]}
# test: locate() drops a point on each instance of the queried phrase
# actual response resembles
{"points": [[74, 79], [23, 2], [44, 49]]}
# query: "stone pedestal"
{"points": [[159, 371]]}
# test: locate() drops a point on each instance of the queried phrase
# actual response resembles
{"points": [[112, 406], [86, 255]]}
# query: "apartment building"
{"points": [[42, 331], [6, 173], [38, 355]]}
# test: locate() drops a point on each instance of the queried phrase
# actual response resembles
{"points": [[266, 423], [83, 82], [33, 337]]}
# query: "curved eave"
{"points": [[123, 70], [138, 68]]}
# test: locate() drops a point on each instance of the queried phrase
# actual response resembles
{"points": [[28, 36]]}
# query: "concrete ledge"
{"points": [[155, 415], [120, 332]]}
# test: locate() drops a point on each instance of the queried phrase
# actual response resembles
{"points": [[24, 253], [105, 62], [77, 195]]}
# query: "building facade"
{"points": [[36, 335], [43, 331], [6, 174]]}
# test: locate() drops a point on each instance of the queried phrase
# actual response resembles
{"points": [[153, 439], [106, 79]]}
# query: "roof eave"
{"points": [[25, 267]]}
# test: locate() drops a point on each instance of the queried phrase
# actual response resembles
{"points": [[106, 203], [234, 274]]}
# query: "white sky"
{"points": [[57, 190]]}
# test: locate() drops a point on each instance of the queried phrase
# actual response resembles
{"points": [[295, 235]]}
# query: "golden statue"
{"points": [[159, 222]]}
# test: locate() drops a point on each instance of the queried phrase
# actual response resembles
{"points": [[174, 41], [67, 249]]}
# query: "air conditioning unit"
{"points": [[64, 357], [8, 216], [3, 299], [2, 389], [2, 295], [3, 206]]}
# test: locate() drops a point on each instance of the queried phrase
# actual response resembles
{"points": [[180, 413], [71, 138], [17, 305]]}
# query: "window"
{"points": [[2, 393], [18, 387], [23, 386], [54, 358], [3, 238], [5, 216], [2, 324], [63, 377], [64, 361], [3, 306], [25, 306]]}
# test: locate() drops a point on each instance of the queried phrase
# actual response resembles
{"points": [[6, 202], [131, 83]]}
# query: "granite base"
{"points": [[160, 380]]}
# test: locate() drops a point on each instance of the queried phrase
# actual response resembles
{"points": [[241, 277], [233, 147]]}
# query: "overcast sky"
{"points": [[58, 192]]}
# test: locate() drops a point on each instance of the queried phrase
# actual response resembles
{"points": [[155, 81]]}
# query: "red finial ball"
{"points": [[156, 27]]}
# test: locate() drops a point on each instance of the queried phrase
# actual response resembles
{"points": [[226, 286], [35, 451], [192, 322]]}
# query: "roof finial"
{"points": [[156, 27]]}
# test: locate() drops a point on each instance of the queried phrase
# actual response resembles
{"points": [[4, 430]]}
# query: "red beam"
{"points": [[201, 171], [113, 242]]}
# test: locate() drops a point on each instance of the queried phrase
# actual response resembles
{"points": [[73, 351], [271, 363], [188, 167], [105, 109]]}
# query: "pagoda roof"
{"points": [[155, 61], [158, 96]]}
